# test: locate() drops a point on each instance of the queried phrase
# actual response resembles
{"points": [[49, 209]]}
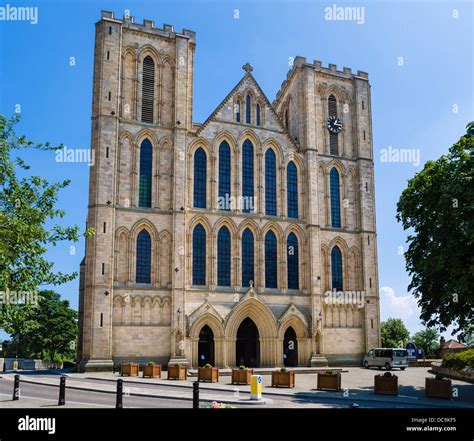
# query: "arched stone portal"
{"points": [[290, 348], [206, 346], [248, 344]]}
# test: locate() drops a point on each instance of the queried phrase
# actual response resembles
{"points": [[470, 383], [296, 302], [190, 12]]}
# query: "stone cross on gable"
{"points": [[247, 67]]}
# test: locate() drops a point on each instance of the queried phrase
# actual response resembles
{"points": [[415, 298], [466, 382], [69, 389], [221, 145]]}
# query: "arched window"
{"points": [[143, 263], [224, 176], [292, 189], [199, 255], [248, 109], [333, 137], [146, 163], [223, 257], [336, 267], [148, 87], [292, 262], [247, 176], [257, 114], [287, 122], [200, 178], [335, 198], [237, 111], [270, 183], [270, 260], [247, 258]]}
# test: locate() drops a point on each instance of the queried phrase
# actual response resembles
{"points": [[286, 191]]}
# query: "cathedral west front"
{"points": [[246, 239]]}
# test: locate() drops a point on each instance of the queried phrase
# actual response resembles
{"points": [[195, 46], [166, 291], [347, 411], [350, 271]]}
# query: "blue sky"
{"points": [[418, 56]]}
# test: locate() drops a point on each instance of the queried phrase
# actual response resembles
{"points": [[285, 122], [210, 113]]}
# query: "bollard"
{"points": [[62, 391], [16, 388], [196, 395], [118, 402]]}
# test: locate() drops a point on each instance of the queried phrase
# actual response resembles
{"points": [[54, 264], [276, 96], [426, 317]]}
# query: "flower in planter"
{"points": [[207, 365], [329, 371], [217, 405], [387, 374], [151, 363], [242, 367], [176, 365], [284, 369]]}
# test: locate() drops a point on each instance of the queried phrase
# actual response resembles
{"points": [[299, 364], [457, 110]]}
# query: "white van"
{"points": [[388, 358]]}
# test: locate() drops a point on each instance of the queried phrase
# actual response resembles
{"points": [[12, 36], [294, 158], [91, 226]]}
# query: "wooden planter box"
{"points": [[241, 376], [208, 374], [286, 379], [438, 388], [329, 381], [177, 373], [130, 369], [386, 385], [152, 371]]}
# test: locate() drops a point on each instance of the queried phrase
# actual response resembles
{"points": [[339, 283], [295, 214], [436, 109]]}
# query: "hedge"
{"points": [[459, 360]]}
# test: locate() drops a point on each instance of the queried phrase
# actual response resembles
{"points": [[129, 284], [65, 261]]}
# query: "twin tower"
{"points": [[246, 239]]}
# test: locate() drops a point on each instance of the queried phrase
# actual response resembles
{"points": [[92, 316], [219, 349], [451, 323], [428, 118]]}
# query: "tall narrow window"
{"points": [[292, 189], [237, 111], [257, 114], [199, 255], [148, 87], [333, 137], [200, 178], [336, 268], [287, 122], [335, 198], [247, 258], [247, 177], [223, 257], [271, 260], [292, 262], [224, 176], [146, 164], [270, 183], [248, 109], [143, 263]]}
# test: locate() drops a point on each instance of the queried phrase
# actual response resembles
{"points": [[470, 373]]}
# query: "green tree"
{"points": [[27, 204], [437, 208], [428, 339], [394, 333], [56, 330]]}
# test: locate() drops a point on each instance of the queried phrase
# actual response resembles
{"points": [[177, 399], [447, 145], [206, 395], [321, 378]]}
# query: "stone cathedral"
{"points": [[241, 240]]}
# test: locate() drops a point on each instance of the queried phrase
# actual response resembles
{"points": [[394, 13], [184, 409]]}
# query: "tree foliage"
{"points": [[437, 207], [394, 333], [27, 205], [428, 339]]}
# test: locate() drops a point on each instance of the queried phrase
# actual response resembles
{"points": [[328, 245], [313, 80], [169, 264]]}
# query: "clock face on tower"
{"points": [[334, 124]]}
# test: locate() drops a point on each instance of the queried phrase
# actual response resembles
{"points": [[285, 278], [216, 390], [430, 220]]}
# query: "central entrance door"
{"points": [[248, 345], [206, 346], [290, 348]]}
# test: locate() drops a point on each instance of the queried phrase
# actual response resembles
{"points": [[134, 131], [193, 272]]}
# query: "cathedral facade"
{"points": [[248, 239]]}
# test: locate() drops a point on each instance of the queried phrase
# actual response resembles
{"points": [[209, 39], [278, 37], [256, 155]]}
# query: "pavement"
{"points": [[357, 387]]}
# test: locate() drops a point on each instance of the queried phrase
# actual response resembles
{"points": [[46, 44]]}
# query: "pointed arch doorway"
{"points": [[290, 348], [248, 344], [206, 346]]}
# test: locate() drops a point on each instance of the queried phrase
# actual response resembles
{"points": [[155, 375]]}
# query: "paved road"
{"points": [[108, 399], [85, 397]]}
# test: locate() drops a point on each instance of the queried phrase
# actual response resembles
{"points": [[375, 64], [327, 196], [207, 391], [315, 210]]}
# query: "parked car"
{"points": [[388, 358]]}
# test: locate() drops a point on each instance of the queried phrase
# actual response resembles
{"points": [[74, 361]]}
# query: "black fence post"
{"points": [[196, 395], [16, 388], [119, 402], [62, 391]]}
